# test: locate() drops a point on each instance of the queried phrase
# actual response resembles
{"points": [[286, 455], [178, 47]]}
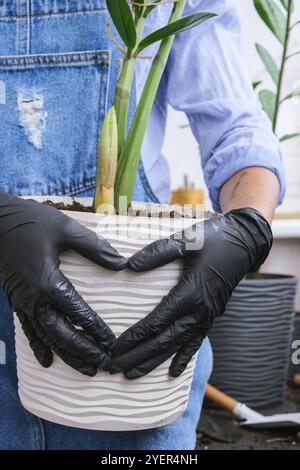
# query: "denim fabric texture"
{"points": [[58, 70]]}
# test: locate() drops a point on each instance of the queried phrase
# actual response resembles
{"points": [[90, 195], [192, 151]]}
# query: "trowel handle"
{"points": [[220, 398], [239, 410], [297, 379]]}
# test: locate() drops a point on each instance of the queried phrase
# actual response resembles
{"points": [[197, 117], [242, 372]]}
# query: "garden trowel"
{"points": [[249, 417]]}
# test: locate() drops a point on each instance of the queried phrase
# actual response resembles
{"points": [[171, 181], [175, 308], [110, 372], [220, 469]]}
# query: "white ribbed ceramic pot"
{"points": [[105, 402]]}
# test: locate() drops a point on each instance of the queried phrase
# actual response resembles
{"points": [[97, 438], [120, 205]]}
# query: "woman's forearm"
{"points": [[252, 187]]}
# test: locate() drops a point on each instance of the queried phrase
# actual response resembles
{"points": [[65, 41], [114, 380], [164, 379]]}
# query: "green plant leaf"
{"points": [[138, 10], [256, 84], [269, 62], [143, 10], [268, 101], [286, 137], [122, 18], [285, 3], [295, 24], [176, 27], [273, 17], [291, 95]]}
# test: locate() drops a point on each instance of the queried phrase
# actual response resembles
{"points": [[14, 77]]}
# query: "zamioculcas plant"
{"points": [[278, 16], [119, 150]]}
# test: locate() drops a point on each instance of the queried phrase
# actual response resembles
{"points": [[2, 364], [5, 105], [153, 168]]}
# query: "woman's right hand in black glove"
{"points": [[31, 237]]}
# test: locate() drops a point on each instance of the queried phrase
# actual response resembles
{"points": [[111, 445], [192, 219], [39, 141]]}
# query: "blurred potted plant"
{"points": [[252, 340], [281, 23], [188, 194], [107, 402], [294, 368]]}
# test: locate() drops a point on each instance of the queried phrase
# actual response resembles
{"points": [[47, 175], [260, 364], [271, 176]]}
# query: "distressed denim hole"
{"points": [[32, 116]]}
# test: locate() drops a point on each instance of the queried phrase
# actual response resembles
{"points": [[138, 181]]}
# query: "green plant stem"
{"points": [[282, 68], [293, 55], [294, 25], [253, 276], [107, 164], [124, 86], [129, 159], [122, 97]]}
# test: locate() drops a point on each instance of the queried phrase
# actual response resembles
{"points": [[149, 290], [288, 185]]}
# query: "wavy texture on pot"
{"points": [[109, 402]]}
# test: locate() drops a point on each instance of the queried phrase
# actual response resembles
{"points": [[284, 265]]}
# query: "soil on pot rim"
{"points": [[141, 209], [78, 207], [266, 276], [74, 207]]}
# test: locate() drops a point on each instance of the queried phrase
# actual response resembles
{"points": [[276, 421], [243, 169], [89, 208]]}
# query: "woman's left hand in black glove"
{"points": [[216, 254]]}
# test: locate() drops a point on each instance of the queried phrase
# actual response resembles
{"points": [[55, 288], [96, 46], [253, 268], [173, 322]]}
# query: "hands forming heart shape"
{"points": [[216, 255]]}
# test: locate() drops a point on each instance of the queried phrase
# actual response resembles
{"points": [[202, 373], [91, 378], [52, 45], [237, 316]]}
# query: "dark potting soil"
{"points": [[258, 276], [218, 430], [78, 207], [74, 207], [144, 211]]}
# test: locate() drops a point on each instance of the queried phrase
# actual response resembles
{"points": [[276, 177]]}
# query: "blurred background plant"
{"points": [[189, 195], [278, 16]]}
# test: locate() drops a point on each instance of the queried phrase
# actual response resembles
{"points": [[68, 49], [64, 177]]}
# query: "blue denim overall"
{"points": [[58, 71]]}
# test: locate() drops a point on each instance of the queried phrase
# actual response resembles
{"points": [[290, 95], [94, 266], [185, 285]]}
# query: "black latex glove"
{"points": [[31, 237], [233, 245]]}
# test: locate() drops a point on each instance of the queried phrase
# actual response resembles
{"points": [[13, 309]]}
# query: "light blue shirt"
{"points": [[207, 78]]}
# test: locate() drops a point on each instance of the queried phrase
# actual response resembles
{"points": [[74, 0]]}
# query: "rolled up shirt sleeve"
{"points": [[207, 78]]}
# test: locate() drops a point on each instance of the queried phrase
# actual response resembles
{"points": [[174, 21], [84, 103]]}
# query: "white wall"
{"points": [[180, 147]]}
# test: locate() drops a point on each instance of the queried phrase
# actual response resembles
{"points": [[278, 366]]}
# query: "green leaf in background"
{"points": [[268, 101], [291, 95], [286, 137], [154, 5], [140, 2], [285, 3], [138, 5], [269, 62], [256, 84], [273, 17], [142, 10], [138, 12], [178, 26], [295, 24], [121, 15]]}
